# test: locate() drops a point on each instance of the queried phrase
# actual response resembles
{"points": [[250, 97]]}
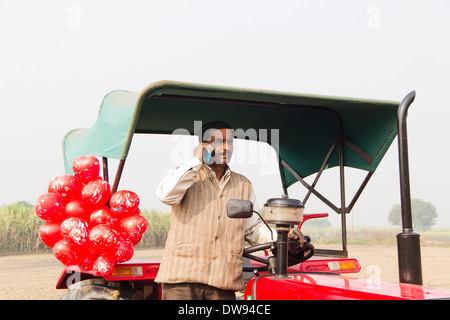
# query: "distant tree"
{"points": [[423, 213]]}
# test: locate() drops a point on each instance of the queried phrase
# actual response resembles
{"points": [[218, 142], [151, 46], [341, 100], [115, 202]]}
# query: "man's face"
{"points": [[222, 142]]}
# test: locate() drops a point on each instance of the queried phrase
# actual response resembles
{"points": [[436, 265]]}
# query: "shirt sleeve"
{"points": [[173, 187], [256, 231]]}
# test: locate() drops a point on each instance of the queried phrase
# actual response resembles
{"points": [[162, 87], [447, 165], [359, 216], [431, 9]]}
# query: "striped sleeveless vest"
{"points": [[203, 244]]}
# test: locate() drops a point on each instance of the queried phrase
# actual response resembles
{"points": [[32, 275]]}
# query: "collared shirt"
{"points": [[172, 189]]}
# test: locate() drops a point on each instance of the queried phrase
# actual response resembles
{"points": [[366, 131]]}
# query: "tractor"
{"points": [[314, 133]]}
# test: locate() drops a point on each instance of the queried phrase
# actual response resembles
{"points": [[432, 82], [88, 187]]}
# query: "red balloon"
{"points": [[63, 252], [136, 240], [96, 193], [103, 215], [103, 266], [134, 227], [49, 206], [67, 186], [86, 168], [124, 250], [75, 208], [124, 202], [87, 263], [102, 237], [50, 234], [75, 231], [136, 212]]}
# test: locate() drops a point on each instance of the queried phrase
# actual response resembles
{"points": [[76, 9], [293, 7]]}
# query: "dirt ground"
{"points": [[33, 277]]}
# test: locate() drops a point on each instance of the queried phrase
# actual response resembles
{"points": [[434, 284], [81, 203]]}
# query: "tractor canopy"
{"points": [[306, 127]]}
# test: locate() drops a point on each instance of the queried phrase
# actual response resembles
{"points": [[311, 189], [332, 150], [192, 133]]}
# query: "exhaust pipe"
{"points": [[408, 241]]}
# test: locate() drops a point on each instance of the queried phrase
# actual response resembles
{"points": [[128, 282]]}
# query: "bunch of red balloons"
{"points": [[86, 225]]}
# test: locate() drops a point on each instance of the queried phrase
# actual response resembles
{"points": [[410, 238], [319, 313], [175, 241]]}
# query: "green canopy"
{"points": [[308, 125]]}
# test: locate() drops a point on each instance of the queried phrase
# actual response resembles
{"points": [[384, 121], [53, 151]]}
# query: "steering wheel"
{"points": [[307, 249]]}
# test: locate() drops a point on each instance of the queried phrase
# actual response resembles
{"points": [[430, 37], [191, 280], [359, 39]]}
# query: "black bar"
{"points": [[405, 193], [408, 242], [319, 173], [358, 193], [118, 175], [307, 186], [342, 187], [283, 177], [282, 252], [360, 152], [105, 169], [409, 258]]}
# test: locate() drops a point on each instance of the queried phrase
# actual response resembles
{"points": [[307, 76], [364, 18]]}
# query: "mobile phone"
{"points": [[207, 154]]}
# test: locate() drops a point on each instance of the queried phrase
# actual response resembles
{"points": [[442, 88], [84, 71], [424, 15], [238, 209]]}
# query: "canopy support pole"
{"points": [[408, 242], [105, 169], [307, 186], [283, 177], [319, 173], [342, 210], [118, 175], [339, 253], [358, 193]]}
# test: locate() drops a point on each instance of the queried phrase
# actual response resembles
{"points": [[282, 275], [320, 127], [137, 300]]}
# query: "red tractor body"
{"points": [[314, 279], [322, 286]]}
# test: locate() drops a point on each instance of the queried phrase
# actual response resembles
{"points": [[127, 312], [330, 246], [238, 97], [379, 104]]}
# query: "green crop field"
{"points": [[19, 230]]}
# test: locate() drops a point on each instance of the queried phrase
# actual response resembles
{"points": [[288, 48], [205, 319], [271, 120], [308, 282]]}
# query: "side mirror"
{"points": [[239, 208]]}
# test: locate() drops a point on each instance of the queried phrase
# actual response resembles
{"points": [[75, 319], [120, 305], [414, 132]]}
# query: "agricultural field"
{"points": [[28, 269], [19, 230], [34, 276]]}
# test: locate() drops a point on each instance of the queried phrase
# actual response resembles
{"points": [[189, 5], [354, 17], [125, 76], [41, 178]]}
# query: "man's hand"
{"points": [[198, 151], [296, 234]]}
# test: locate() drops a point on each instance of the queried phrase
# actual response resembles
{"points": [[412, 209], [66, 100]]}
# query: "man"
{"points": [[203, 254]]}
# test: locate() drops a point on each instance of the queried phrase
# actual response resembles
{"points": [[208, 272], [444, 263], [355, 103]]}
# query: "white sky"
{"points": [[58, 59]]}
